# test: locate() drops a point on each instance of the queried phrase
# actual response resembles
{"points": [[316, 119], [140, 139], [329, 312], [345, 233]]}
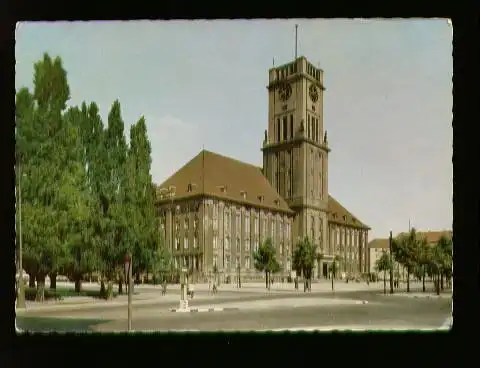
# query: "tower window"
{"points": [[308, 126], [278, 130], [291, 126], [285, 136]]}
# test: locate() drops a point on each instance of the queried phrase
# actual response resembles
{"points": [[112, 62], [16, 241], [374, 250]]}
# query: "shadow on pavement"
{"points": [[48, 324]]}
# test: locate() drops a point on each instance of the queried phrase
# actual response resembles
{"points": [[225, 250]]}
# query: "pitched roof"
{"points": [[223, 177], [379, 243], [339, 214]]}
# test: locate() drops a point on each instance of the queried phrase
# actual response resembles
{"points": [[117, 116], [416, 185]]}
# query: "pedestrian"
{"points": [[164, 287], [214, 289], [191, 290], [209, 285]]}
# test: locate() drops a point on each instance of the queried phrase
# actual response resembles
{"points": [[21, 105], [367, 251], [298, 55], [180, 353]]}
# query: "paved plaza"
{"points": [[352, 306]]}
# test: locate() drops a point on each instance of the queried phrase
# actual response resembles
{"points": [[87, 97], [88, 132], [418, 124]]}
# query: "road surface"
{"points": [[380, 312]]}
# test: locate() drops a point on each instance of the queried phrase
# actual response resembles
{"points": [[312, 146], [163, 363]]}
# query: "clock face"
{"points": [[285, 91], [313, 93]]}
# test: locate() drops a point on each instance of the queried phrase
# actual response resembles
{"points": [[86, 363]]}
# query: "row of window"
{"points": [[313, 128], [290, 69], [282, 129]]}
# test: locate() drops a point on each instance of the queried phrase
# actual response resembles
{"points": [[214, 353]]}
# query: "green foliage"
{"points": [[383, 263], [304, 258], [265, 257]]}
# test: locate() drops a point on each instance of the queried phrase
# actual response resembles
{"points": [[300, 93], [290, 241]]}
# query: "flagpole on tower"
{"points": [[296, 40]]}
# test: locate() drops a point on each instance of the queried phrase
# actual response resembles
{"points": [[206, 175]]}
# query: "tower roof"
{"points": [[214, 175]]}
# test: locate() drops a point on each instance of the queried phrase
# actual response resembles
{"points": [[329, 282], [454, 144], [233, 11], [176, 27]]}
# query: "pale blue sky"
{"points": [[388, 103]]}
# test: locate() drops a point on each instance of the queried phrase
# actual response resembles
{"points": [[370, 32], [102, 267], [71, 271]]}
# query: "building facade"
{"points": [[216, 210]]}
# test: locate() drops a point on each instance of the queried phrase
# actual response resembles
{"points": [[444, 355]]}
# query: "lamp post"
{"points": [[20, 289], [391, 261], [239, 282]]}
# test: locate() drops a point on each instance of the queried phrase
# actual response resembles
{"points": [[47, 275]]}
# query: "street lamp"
{"points": [[391, 261], [239, 282], [20, 289]]}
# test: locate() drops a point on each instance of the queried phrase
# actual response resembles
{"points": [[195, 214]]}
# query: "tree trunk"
{"points": [[423, 281], [437, 285], [120, 285], [102, 288], [408, 280], [78, 283], [110, 290], [53, 281], [31, 280], [266, 280], [137, 278], [332, 282], [40, 297], [441, 281], [385, 282]]}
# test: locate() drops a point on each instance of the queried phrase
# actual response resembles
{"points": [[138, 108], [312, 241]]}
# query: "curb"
{"points": [[200, 310]]}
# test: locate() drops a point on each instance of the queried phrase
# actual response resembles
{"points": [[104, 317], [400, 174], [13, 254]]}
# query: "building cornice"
{"points": [[294, 78]]}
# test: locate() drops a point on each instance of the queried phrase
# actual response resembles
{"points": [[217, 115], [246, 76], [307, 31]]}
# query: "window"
{"points": [[255, 245], [177, 242], [227, 219], [278, 130], [247, 245], [280, 250], [227, 244], [256, 226], [272, 227], [185, 224], [195, 242], [215, 242], [247, 225], [285, 136], [291, 126], [237, 225], [185, 242], [247, 262], [238, 245], [227, 261], [308, 126], [215, 260]]}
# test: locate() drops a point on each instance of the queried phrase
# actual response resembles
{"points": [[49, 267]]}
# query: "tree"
{"points": [[140, 199], [333, 269], [405, 250], [445, 246], [47, 146], [113, 223], [265, 260], [383, 264], [424, 258], [304, 258]]}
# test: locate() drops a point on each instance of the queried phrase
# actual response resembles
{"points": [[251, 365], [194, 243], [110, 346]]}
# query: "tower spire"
{"points": [[296, 40]]}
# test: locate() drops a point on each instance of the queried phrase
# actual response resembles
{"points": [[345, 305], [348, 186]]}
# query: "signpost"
{"points": [[128, 273]]}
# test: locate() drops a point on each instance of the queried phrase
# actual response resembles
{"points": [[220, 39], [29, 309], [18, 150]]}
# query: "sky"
{"points": [[387, 104]]}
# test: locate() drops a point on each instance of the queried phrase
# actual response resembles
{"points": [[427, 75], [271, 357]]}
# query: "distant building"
{"points": [[379, 245], [216, 211]]}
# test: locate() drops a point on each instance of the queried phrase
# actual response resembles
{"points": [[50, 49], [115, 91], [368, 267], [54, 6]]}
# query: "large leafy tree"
{"points": [[304, 258], [424, 256], [81, 253], [405, 250], [139, 199], [48, 146], [113, 222], [445, 246], [383, 264], [265, 260]]}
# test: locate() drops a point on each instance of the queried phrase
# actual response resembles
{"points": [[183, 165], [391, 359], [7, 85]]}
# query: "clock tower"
{"points": [[295, 147]]}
